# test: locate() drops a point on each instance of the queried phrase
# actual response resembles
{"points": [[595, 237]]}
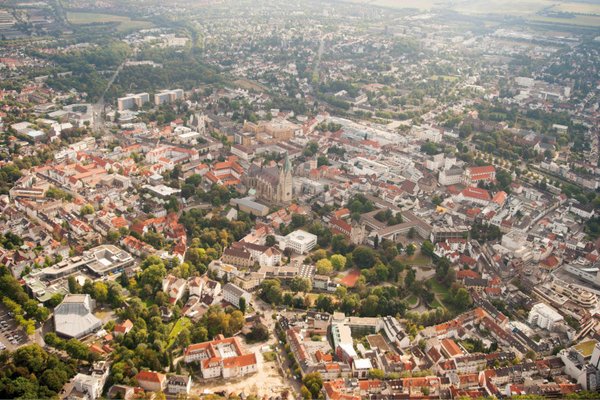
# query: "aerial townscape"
{"points": [[308, 199]]}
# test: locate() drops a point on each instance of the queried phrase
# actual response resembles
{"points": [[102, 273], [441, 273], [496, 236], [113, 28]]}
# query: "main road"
{"points": [[98, 107]]}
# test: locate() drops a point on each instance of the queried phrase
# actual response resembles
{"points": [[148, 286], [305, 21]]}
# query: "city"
{"points": [[339, 200]]}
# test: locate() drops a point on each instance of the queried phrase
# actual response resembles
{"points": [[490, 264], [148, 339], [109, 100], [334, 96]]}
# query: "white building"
{"points": [[544, 316], [168, 96], [298, 241], [132, 100], [179, 384], [233, 293]]}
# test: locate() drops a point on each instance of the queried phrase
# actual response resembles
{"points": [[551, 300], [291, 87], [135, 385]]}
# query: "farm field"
{"points": [[123, 23], [585, 14]]}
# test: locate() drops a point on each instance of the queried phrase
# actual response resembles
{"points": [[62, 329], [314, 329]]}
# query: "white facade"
{"points": [[299, 241], [544, 316]]}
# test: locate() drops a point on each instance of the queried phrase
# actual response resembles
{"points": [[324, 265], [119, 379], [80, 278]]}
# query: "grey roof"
{"points": [[230, 287], [73, 317]]}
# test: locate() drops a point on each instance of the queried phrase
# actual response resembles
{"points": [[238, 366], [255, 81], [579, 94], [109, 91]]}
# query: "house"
{"points": [[123, 328], [151, 381], [233, 293], [174, 287], [179, 384]]}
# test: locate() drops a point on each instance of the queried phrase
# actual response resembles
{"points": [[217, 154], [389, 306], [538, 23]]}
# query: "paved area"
{"points": [[12, 335]]}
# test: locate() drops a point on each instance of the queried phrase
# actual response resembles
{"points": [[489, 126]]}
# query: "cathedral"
{"points": [[272, 184]]}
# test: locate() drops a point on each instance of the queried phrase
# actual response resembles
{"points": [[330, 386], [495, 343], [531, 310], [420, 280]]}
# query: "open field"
{"points": [[586, 13], [577, 8], [415, 259], [577, 20], [124, 23]]}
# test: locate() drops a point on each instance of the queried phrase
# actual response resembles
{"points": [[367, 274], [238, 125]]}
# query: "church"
{"points": [[272, 184]]}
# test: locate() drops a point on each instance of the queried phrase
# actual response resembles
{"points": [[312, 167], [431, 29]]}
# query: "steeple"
{"points": [[287, 165]]}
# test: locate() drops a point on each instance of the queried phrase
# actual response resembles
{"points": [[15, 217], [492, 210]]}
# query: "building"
{"points": [[544, 316], [298, 241], [582, 363], [99, 261], [237, 256], [123, 328], [585, 211], [233, 293], [221, 358], [92, 385], [474, 175], [151, 381], [451, 176], [272, 184], [168, 96], [132, 101], [73, 318], [179, 384]]}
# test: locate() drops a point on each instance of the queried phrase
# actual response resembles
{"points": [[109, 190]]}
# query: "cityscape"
{"points": [[311, 199]]}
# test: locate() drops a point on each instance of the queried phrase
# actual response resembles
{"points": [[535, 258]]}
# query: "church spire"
{"points": [[287, 165]]}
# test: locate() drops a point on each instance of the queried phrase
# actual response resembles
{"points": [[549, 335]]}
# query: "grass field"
{"points": [[438, 289], [577, 20], [412, 300], [416, 259], [587, 14], [179, 325], [123, 23]]}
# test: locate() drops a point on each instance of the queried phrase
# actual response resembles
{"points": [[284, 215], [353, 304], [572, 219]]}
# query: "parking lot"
{"points": [[11, 335]]}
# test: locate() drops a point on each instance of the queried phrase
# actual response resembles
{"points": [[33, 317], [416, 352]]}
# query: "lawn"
{"points": [[416, 259], [123, 23], [412, 300], [179, 325], [436, 304], [438, 288]]}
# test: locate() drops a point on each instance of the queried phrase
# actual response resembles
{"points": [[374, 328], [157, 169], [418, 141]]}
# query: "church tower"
{"points": [[285, 186]]}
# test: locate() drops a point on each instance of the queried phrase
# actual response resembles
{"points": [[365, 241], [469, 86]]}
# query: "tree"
{"points": [[324, 267], [76, 349], [87, 209], [270, 240], [270, 291], [100, 292], [300, 284], [74, 286], [258, 333], [338, 262], [427, 248], [324, 303], [314, 382], [306, 395], [376, 373], [242, 304], [410, 250], [364, 257]]}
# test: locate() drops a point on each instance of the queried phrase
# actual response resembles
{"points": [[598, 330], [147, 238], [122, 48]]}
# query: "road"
{"points": [[318, 60], [98, 107]]}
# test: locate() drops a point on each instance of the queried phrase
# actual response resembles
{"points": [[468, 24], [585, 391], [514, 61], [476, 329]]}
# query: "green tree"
{"points": [[324, 267], [338, 262]]}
